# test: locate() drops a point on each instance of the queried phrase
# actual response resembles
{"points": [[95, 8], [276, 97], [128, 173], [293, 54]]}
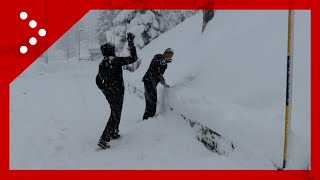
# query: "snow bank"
{"points": [[232, 78]]}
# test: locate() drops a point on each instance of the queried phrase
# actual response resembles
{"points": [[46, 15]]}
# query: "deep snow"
{"points": [[231, 79]]}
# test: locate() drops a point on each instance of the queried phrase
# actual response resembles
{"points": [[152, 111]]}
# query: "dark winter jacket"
{"points": [[110, 75], [156, 70]]}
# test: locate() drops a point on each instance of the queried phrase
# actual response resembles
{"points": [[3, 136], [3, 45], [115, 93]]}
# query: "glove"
{"points": [[163, 82], [130, 38], [166, 85]]}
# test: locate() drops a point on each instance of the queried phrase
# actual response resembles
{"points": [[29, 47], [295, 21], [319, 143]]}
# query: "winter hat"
{"points": [[168, 53], [169, 50]]}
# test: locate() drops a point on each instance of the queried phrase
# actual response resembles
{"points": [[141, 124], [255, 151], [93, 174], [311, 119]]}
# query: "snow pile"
{"points": [[233, 77]]}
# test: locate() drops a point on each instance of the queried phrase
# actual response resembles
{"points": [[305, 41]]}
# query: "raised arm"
{"points": [[130, 59], [133, 52]]}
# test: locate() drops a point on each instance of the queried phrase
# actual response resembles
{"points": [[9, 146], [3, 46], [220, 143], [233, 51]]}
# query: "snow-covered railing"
{"points": [[211, 139], [98, 57]]}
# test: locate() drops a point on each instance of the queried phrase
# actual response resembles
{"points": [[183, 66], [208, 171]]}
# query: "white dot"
{"points": [[23, 49], [23, 15], [33, 24], [33, 41], [42, 32]]}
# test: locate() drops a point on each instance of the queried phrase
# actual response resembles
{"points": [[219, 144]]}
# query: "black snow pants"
{"points": [[150, 89], [115, 99]]}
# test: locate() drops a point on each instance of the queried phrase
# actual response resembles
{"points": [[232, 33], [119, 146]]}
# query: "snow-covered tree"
{"points": [[146, 25], [207, 16], [172, 18], [105, 23]]}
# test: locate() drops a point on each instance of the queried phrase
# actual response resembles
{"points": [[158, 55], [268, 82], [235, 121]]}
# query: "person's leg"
{"points": [[151, 99], [111, 122], [118, 111], [146, 114]]}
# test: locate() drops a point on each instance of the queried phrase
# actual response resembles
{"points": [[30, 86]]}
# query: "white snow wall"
{"points": [[232, 78]]}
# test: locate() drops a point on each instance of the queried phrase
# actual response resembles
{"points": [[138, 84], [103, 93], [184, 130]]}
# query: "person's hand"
{"points": [[130, 38]]}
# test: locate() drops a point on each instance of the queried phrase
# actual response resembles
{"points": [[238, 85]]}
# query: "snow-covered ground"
{"points": [[231, 79]]}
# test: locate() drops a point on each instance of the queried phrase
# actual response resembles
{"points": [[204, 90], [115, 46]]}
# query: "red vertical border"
{"points": [[4, 128], [315, 117], [14, 33]]}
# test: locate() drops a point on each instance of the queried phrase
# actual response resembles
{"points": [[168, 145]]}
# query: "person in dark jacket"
{"points": [[153, 76], [110, 81]]}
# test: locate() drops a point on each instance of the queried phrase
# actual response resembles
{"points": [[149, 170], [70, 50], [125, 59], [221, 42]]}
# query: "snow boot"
{"points": [[115, 134], [103, 144]]}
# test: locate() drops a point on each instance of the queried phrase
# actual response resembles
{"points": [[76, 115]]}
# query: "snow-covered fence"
{"points": [[96, 58], [95, 54], [212, 140]]}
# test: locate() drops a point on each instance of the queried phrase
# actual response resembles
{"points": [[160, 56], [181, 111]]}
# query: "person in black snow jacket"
{"points": [[110, 81], [153, 76]]}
